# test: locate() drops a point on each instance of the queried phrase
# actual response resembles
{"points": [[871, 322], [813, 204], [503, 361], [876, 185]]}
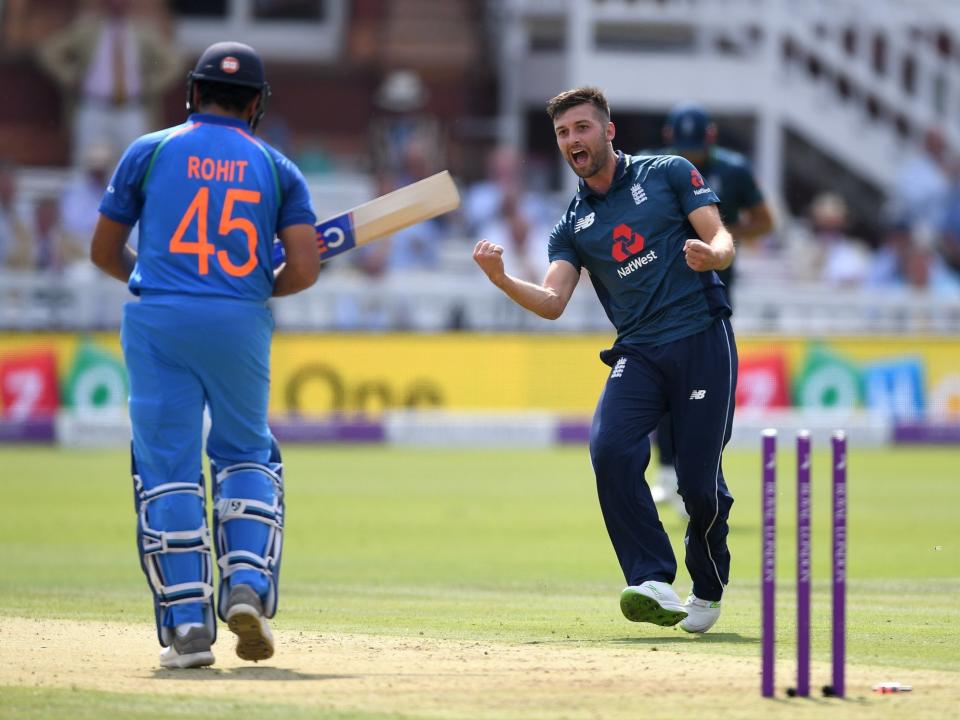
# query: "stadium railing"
{"points": [[436, 301]]}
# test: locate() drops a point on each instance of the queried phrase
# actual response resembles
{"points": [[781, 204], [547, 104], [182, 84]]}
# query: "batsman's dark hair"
{"points": [[228, 96], [578, 96]]}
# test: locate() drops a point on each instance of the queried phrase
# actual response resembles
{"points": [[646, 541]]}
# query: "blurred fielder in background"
{"points": [[209, 198], [630, 225], [690, 133]]}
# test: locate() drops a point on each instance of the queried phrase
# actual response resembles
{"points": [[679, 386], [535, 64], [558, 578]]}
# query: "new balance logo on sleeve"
{"points": [[698, 394], [584, 222]]}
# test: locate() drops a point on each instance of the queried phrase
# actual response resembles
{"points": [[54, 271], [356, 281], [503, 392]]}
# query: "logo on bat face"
{"points": [[626, 243], [230, 64]]}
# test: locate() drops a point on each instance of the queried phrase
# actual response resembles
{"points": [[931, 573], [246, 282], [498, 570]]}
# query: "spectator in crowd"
{"points": [[845, 261], [908, 259], [112, 68], [524, 240], [920, 189], [416, 247], [52, 251], [80, 202], [948, 240], [363, 309], [402, 120], [15, 252], [483, 201]]}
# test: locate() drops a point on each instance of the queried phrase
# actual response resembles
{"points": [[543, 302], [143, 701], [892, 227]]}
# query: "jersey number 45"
{"points": [[202, 247]]}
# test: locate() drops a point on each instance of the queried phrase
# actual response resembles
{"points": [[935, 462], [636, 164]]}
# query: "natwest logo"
{"points": [[626, 243], [636, 263], [696, 179]]}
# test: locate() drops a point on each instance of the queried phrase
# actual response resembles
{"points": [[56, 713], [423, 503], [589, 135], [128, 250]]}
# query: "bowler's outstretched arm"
{"points": [[547, 300]]}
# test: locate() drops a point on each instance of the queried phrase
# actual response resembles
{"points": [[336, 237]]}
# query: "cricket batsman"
{"points": [[647, 230], [209, 198]]}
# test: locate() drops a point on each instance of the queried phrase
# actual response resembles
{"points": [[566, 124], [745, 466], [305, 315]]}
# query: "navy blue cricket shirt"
{"points": [[631, 241]]}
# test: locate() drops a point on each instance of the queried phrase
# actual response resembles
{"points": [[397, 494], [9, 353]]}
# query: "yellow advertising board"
{"points": [[316, 374], [322, 373], [365, 373]]}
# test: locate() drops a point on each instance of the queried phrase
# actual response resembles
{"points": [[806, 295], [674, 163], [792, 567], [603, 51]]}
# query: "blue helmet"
{"points": [[232, 63], [689, 123]]}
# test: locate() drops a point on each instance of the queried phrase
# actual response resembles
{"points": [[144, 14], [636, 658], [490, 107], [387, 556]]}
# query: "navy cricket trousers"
{"points": [[693, 379]]}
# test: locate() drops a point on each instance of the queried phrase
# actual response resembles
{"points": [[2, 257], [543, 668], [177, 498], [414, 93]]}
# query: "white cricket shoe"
{"points": [[664, 491], [190, 647], [653, 602], [701, 614]]}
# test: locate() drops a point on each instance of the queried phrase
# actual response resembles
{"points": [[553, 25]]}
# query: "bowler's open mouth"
{"points": [[579, 157]]}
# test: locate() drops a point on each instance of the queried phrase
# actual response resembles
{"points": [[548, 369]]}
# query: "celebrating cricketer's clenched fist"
{"points": [[490, 258], [700, 256]]}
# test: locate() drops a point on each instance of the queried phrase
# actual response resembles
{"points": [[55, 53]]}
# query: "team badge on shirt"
{"points": [[639, 194]]}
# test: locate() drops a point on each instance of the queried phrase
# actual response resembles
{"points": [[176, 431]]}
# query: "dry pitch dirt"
{"points": [[450, 679]]}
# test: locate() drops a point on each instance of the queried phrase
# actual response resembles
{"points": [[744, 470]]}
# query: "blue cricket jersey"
{"points": [[210, 198], [631, 241]]}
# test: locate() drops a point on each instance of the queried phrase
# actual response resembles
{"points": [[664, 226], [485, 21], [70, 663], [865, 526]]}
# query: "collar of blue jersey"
{"points": [[583, 190], [218, 120]]}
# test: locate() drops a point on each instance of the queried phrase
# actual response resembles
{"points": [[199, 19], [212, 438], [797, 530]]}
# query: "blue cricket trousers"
{"points": [[693, 379], [184, 354]]}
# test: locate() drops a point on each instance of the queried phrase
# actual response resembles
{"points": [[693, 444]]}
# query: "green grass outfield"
{"points": [[494, 546]]}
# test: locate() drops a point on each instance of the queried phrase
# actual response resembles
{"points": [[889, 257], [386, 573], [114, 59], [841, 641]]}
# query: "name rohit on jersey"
{"points": [[218, 170]]}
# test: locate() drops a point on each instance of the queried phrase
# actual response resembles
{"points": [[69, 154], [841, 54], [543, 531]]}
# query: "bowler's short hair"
{"points": [[578, 96]]}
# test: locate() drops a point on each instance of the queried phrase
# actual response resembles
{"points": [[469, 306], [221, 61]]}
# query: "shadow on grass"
{"points": [[708, 638], [674, 638], [245, 674]]}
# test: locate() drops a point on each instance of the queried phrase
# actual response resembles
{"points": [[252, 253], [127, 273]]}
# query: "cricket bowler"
{"points": [[648, 232]]}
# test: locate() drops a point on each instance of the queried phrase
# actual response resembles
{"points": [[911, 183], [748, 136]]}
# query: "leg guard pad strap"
{"points": [[248, 526], [177, 562]]}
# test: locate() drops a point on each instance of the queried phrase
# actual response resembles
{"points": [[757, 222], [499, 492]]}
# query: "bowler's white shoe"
{"points": [[190, 647], [653, 602], [701, 614]]}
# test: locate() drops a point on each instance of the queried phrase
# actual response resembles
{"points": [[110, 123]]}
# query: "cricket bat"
{"points": [[383, 216]]}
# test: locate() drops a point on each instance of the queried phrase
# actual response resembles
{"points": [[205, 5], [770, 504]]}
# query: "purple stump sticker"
{"points": [[768, 560], [839, 442], [803, 564]]}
